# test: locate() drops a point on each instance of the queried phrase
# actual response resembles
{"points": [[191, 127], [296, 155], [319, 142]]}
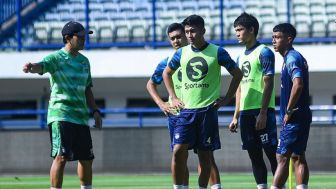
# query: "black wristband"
{"points": [[96, 110], [289, 111]]}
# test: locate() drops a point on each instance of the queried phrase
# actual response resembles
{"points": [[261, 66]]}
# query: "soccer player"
{"points": [[255, 99], [197, 123], [295, 114], [68, 111], [177, 40]]}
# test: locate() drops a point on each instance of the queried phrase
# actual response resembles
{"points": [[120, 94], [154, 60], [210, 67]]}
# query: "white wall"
{"points": [[128, 63], [122, 74]]}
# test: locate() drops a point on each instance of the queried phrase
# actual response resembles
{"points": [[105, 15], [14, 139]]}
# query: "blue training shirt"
{"points": [[295, 66], [267, 61], [223, 58], [157, 75]]}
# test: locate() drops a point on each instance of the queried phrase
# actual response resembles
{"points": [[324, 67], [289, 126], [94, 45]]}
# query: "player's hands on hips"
{"points": [[233, 125], [288, 115], [218, 103], [177, 103], [286, 119], [261, 121], [165, 108], [27, 67], [98, 120]]}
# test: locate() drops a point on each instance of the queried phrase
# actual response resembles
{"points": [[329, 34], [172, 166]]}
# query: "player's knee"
{"points": [[212, 159], [282, 160], [255, 155], [299, 159], [86, 163], [270, 151], [61, 160], [204, 166], [179, 153]]}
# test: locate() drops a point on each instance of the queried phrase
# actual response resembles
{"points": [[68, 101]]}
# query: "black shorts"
{"points": [[70, 140], [252, 138]]}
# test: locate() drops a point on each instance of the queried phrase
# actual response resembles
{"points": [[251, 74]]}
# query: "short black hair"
{"points": [[247, 21], [175, 26], [194, 20], [286, 28]]}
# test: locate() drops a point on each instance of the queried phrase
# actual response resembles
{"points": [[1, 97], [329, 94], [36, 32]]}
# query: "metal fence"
{"points": [[325, 114]]}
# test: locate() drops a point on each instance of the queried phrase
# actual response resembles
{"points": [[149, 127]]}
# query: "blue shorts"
{"points": [[198, 128], [252, 138], [294, 138]]}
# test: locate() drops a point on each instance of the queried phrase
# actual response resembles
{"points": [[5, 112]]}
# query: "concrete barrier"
{"points": [[138, 150]]}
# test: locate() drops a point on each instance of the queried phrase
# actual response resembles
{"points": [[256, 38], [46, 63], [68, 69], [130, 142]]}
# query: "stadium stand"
{"points": [[132, 20]]}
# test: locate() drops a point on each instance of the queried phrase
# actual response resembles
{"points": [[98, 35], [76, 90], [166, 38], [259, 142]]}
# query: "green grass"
{"points": [[160, 181]]}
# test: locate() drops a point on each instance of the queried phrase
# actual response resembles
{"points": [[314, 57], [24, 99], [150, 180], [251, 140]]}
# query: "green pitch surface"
{"points": [[161, 181]]}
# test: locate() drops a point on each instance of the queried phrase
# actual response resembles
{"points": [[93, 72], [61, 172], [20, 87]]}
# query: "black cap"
{"points": [[73, 27]]}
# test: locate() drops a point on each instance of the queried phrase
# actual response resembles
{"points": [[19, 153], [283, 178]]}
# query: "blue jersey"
{"points": [[157, 75], [223, 58], [267, 61], [295, 66]]}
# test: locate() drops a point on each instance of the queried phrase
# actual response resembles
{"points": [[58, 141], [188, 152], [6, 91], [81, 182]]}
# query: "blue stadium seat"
{"points": [[189, 5], [302, 24], [301, 14], [80, 16], [173, 6], [67, 17], [252, 7], [105, 31], [64, 8], [51, 17], [143, 7], [121, 31], [281, 11], [158, 29], [77, 1], [98, 16], [78, 7], [138, 30], [126, 7], [110, 7], [206, 5], [131, 20], [56, 32], [42, 30], [318, 18], [231, 14], [96, 7]]}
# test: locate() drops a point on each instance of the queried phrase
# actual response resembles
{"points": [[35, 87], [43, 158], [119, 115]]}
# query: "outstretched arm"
{"points": [[32, 68]]}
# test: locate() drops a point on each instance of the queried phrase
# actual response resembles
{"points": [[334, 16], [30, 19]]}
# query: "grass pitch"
{"points": [[151, 181]]}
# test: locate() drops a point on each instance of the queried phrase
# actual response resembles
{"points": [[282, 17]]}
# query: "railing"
{"points": [[154, 42], [328, 117], [9, 8]]}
